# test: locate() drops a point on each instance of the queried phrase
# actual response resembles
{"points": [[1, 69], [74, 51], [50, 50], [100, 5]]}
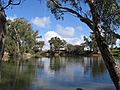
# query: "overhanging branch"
{"points": [[10, 2], [83, 19], [110, 31]]}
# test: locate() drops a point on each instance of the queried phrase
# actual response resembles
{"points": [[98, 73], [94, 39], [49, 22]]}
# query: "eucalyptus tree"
{"points": [[75, 49], [99, 16], [3, 5], [56, 43], [20, 37]]}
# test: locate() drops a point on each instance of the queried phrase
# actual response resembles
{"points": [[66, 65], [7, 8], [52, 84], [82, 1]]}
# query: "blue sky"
{"points": [[70, 29]]}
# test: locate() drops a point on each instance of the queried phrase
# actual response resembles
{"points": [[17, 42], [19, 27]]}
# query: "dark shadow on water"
{"points": [[16, 74]]}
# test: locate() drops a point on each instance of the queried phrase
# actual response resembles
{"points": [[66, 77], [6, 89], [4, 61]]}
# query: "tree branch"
{"points": [[10, 2], [83, 19], [110, 31]]}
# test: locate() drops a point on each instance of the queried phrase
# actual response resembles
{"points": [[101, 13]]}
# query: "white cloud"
{"points": [[74, 41], [50, 34], [65, 32], [11, 17], [118, 42], [41, 22], [80, 28]]}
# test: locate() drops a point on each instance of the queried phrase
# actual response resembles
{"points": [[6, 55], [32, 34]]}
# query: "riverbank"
{"points": [[53, 54], [25, 56]]}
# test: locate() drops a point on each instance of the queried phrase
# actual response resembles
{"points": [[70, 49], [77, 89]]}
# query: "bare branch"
{"points": [[16, 3], [83, 19], [10, 2]]}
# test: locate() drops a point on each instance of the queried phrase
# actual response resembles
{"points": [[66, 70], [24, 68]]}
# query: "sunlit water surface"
{"points": [[56, 73]]}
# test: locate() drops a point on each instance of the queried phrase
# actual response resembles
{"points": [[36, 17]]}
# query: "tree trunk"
{"points": [[2, 32], [113, 68], [1, 47]]}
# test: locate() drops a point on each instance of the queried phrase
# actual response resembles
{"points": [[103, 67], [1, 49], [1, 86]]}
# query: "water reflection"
{"points": [[90, 65], [56, 63], [55, 73], [94, 66], [68, 73], [16, 75]]}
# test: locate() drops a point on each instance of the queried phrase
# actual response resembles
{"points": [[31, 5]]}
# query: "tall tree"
{"points": [[20, 37], [3, 5], [2, 32], [99, 15]]}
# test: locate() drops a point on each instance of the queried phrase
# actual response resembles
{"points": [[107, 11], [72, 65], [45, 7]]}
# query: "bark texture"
{"points": [[2, 32], [113, 68]]}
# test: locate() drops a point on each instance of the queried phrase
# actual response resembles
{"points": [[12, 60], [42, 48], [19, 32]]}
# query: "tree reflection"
{"points": [[16, 75], [91, 65], [47, 72], [56, 63], [94, 66]]}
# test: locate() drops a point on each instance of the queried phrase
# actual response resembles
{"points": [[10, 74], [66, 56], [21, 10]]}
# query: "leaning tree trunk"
{"points": [[2, 32], [113, 68]]}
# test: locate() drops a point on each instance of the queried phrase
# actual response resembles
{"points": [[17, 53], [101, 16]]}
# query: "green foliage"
{"points": [[75, 49], [40, 44], [107, 12], [20, 37], [115, 51], [94, 43], [56, 43], [86, 40], [88, 43]]}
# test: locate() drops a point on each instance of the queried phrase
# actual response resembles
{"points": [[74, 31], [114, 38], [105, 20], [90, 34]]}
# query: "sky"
{"points": [[69, 29]]}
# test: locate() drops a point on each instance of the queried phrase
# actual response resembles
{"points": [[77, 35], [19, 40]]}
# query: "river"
{"points": [[55, 73]]}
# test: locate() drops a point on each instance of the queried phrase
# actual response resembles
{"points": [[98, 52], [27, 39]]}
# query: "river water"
{"points": [[55, 73]]}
